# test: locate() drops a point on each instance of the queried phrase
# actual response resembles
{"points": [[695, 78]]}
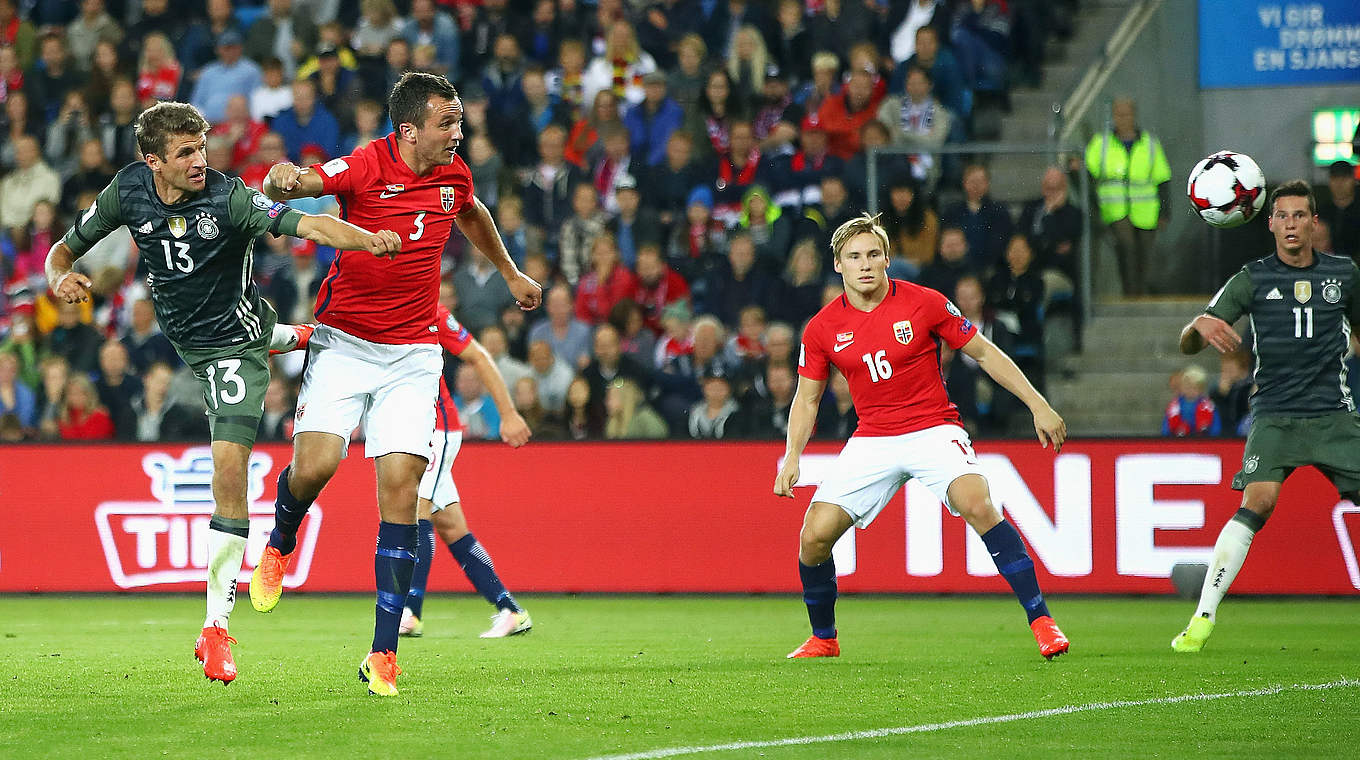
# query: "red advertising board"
{"points": [[1104, 516]]}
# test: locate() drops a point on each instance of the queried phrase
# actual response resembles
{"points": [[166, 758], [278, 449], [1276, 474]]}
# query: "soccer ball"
{"points": [[1227, 189]]}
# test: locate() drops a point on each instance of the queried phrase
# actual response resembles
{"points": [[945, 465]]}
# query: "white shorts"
{"points": [[437, 482], [387, 390], [870, 469]]}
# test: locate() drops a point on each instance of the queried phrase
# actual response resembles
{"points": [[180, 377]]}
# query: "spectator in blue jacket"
{"points": [[428, 25], [15, 397], [231, 74], [951, 89], [651, 122], [308, 121]]}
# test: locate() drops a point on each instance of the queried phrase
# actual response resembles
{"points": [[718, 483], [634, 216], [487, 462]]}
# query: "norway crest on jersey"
{"points": [[902, 331], [446, 198]]}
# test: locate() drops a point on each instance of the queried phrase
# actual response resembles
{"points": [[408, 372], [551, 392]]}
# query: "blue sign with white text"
{"points": [[1257, 43]]}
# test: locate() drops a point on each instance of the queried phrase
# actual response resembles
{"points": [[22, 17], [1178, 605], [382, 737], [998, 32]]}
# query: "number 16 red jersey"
{"points": [[377, 299], [890, 356]]}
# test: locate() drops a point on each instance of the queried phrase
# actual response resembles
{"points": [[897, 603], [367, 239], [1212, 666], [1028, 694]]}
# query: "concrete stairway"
{"points": [[1118, 384], [1031, 114]]}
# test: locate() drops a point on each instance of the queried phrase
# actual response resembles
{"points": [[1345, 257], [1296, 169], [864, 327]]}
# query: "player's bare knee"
{"points": [[814, 548], [978, 511], [451, 533], [1262, 504], [308, 475]]}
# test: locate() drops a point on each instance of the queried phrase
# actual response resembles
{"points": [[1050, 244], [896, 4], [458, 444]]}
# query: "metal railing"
{"points": [[1067, 116], [1051, 151]]}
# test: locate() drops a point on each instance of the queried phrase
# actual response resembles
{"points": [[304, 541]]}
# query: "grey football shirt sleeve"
{"points": [[1233, 299], [252, 211], [102, 217]]}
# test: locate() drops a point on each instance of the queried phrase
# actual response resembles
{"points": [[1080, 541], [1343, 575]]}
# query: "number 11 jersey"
{"points": [[890, 356]]}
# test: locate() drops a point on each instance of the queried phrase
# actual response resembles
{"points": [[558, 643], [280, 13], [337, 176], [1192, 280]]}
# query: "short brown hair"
{"points": [[158, 123], [857, 226], [410, 97], [1294, 188]]}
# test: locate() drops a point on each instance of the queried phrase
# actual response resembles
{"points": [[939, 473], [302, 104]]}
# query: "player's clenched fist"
{"points": [[73, 287], [384, 243], [788, 475], [514, 430], [528, 294], [284, 177]]}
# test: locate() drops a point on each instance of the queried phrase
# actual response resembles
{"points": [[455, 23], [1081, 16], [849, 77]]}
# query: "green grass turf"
{"points": [[113, 676]]}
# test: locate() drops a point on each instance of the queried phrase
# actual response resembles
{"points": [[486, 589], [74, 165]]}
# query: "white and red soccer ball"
{"points": [[1227, 189]]}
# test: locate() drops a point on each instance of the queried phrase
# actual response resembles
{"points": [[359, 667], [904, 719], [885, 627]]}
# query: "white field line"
{"points": [[1344, 683]]}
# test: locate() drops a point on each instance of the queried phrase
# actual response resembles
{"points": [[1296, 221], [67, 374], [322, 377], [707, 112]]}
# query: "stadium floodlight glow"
{"points": [[1333, 130]]}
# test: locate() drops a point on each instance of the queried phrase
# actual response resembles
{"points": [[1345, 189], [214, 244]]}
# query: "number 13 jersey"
{"points": [[377, 299], [890, 356]]}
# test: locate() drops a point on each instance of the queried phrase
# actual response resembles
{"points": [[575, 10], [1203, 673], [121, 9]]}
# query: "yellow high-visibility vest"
{"points": [[1127, 180]]}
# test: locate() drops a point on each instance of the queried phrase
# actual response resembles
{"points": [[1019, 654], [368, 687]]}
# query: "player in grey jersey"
{"points": [[1302, 305], [195, 231]]}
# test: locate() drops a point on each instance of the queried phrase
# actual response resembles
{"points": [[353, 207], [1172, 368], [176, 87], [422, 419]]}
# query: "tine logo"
{"points": [[149, 543]]}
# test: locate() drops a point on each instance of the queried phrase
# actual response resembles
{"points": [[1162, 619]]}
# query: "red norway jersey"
{"points": [[377, 299], [890, 356], [455, 339]]}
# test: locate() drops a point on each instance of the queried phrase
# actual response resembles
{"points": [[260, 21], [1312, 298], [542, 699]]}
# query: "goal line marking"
{"points": [[1345, 683]]}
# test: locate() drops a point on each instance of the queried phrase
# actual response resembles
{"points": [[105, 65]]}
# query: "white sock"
{"points": [[283, 338], [225, 553], [1230, 551]]}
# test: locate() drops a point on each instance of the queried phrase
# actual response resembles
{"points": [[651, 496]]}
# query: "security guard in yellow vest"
{"points": [[1132, 179]]}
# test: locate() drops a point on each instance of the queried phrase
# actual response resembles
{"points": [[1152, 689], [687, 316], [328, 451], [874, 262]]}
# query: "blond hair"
{"points": [[858, 226], [760, 55], [1195, 376], [827, 60], [693, 42], [630, 397]]}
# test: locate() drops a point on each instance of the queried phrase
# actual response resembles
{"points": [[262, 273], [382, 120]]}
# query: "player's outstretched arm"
{"points": [[337, 233], [514, 430], [480, 229], [68, 285], [286, 181], [1048, 425], [802, 416], [1209, 330]]}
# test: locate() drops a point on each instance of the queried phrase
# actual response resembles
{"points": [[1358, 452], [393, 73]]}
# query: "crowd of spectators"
{"points": [[672, 171]]}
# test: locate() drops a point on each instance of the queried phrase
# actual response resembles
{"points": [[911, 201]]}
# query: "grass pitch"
{"points": [[114, 676]]}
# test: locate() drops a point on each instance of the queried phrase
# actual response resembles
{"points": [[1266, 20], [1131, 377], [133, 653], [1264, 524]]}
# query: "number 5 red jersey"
{"points": [[377, 299], [890, 356]]}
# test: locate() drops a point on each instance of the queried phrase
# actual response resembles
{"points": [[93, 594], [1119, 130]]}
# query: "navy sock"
{"points": [[288, 514], [415, 598], [1008, 552], [393, 562], [476, 564], [819, 593]]}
